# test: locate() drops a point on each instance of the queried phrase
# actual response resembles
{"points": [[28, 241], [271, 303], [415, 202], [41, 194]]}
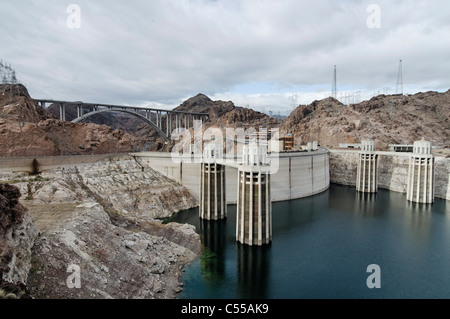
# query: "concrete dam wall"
{"points": [[299, 174]]}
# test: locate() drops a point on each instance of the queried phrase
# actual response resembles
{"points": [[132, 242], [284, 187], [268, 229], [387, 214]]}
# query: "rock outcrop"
{"points": [[26, 129], [16, 105], [112, 261], [121, 185], [17, 236], [100, 220], [203, 104]]}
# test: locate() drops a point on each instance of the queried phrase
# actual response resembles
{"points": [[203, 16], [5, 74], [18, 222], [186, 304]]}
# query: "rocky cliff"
{"points": [[99, 221], [17, 236]]}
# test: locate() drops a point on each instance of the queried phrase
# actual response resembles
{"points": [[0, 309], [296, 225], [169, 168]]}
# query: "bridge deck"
{"points": [[79, 103]]}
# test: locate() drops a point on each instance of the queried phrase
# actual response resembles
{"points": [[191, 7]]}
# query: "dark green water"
{"points": [[322, 246]]}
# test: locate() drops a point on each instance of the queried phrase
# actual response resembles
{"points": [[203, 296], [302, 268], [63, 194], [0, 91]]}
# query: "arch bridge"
{"points": [[163, 121]]}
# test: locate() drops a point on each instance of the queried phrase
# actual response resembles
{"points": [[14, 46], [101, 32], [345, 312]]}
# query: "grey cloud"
{"points": [[136, 52]]}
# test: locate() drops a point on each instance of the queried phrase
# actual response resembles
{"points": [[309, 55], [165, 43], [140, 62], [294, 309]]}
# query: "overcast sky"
{"points": [[257, 53]]}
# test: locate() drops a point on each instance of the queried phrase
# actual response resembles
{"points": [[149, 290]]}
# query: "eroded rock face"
{"points": [[343, 168], [114, 262], [123, 186], [17, 235], [101, 217]]}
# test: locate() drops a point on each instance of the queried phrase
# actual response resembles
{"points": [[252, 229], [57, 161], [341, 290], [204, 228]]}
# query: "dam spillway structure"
{"points": [[213, 203], [254, 205], [366, 177], [420, 186]]}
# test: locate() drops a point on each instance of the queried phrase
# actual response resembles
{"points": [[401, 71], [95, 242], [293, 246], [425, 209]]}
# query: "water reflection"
{"points": [[418, 222], [213, 257], [289, 214], [253, 270], [364, 203]]}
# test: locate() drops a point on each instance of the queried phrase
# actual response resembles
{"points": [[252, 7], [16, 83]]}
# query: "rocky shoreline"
{"points": [[100, 223]]}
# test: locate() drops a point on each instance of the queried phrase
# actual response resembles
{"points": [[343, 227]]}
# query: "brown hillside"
{"points": [[388, 119], [26, 129]]}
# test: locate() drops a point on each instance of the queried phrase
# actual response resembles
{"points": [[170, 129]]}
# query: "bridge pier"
{"points": [[366, 178], [254, 206], [62, 111], [170, 125], [79, 110], [420, 186], [213, 201], [158, 122]]}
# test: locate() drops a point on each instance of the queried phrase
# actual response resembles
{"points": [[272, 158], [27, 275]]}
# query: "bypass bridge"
{"points": [[165, 122]]}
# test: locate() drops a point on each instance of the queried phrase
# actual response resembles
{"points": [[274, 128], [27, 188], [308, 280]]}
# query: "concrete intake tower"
{"points": [[366, 178], [420, 187], [213, 203], [254, 206]]}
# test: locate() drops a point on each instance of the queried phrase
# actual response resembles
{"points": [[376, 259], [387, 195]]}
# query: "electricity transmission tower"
{"points": [[294, 101], [7, 77], [399, 89], [334, 87]]}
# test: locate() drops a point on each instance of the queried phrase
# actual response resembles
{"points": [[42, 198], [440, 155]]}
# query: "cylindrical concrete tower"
{"points": [[254, 206], [420, 188], [213, 205], [366, 177]]}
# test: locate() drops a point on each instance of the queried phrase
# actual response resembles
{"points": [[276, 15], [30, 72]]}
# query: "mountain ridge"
{"points": [[26, 129]]}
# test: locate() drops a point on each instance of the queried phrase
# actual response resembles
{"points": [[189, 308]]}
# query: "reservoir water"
{"points": [[321, 248]]}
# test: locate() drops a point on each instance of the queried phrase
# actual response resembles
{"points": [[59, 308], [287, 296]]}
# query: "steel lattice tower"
{"points": [[399, 89], [334, 87]]}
